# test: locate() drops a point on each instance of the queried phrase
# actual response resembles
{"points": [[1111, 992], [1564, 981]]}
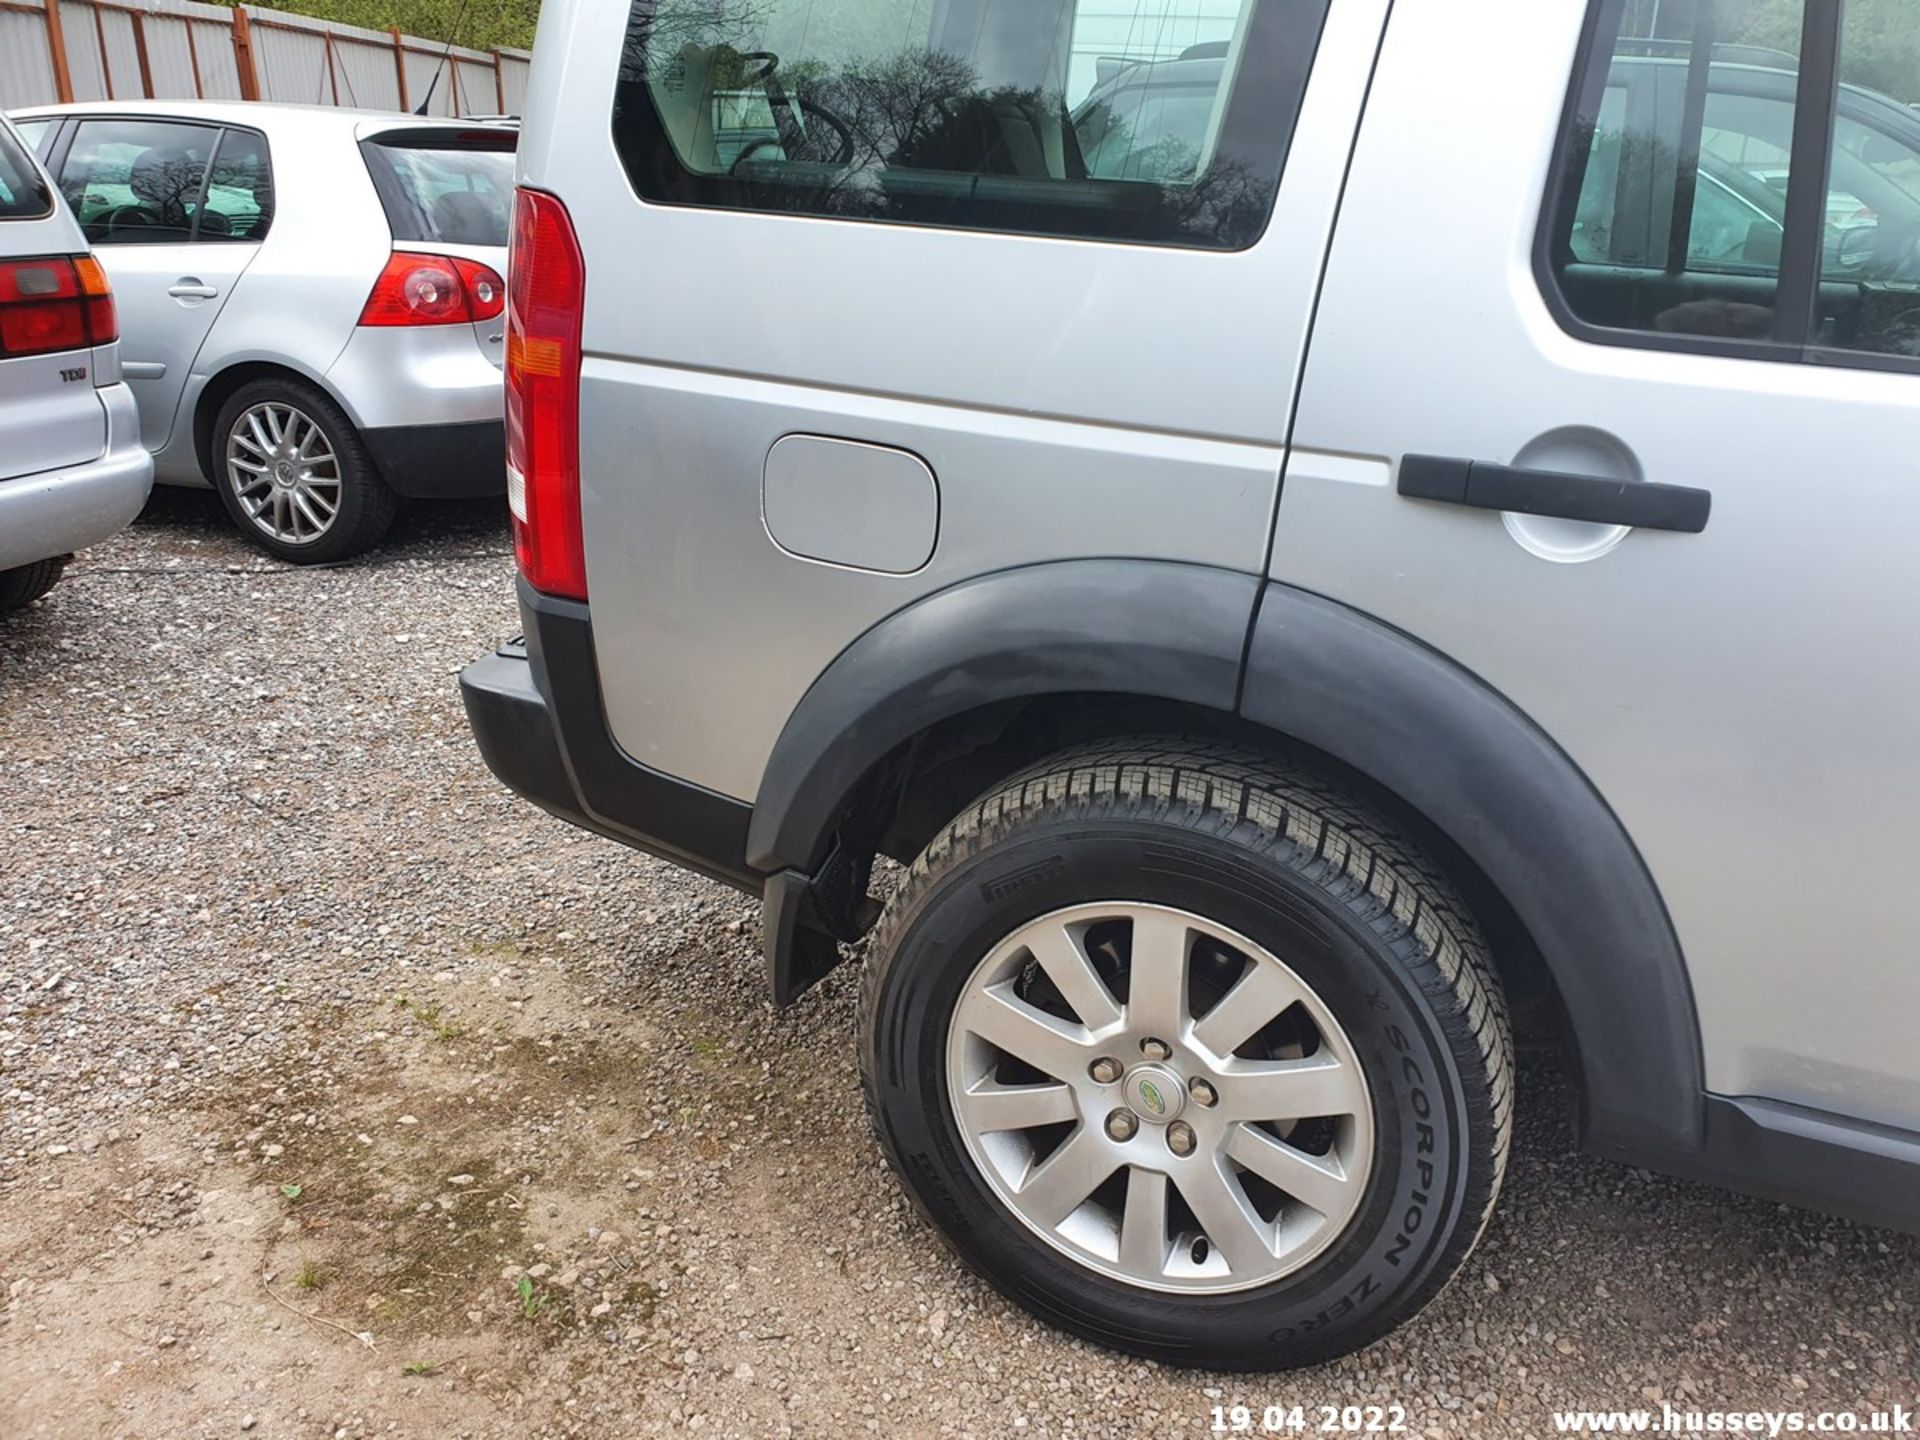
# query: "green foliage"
{"points": [[532, 1302], [485, 26]]}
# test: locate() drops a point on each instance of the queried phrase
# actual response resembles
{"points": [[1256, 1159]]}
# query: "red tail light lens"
{"points": [[54, 304], [546, 297], [416, 289]]}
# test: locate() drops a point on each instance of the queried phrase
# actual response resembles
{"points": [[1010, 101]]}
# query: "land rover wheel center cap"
{"points": [[1155, 1094]]}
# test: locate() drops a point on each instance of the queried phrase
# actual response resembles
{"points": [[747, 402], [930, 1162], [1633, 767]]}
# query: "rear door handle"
{"points": [[1486, 486], [192, 290]]}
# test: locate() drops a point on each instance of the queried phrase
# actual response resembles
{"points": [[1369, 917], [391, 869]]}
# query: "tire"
{"points": [[284, 517], [25, 584], [1278, 876]]}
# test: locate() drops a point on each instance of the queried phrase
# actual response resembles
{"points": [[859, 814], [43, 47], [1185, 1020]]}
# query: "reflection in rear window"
{"points": [[460, 196], [23, 195]]}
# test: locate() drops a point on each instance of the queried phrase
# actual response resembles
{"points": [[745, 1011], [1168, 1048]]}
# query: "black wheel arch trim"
{"points": [[1469, 761], [1133, 627]]}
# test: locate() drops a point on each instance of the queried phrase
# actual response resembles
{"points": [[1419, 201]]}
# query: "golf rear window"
{"points": [[453, 188], [23, 194]]}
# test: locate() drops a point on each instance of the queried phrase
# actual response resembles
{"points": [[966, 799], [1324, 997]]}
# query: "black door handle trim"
{"points": [[1486, 486]]}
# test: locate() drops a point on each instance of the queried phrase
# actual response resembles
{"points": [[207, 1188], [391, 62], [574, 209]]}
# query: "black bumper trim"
{"points": [[541, 726], [467, 461]]}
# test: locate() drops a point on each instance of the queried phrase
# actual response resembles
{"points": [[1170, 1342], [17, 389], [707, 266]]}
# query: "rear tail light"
{"points": [[54, 304], [416, 289], [546, 297]]}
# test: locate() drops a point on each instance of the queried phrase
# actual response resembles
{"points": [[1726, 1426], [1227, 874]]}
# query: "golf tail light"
{"points": [[546, 298], [416, 289]]}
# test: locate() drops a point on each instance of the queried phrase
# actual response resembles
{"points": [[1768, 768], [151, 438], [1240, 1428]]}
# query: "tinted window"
{"points": [[239, 202], [23, 195], [1669, 228], [134, 182], [462, 196], [1870, 295], [1163, 121], [34, 134]]}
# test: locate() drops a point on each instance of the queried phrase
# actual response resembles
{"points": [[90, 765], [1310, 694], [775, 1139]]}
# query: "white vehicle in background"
{"points": [[72, 469], [312, 300]]}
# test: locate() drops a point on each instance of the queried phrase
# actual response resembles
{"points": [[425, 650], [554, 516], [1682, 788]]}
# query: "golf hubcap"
{"points": [[1160, 1098], [284, 472]]}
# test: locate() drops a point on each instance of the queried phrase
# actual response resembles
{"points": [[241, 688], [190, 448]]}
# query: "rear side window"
{"points": [[137, 182], [239, 202], [457, 190], [23, 194], [1153, 121], [1743, 176]]}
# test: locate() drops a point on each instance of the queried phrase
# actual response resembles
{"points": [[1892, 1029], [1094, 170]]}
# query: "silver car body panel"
{"points": [[1129, 374], [72, 468], [1741, 697], [303, 287]]}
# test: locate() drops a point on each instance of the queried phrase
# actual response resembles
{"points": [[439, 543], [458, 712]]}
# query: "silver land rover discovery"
{"points": [[1296, 524]]}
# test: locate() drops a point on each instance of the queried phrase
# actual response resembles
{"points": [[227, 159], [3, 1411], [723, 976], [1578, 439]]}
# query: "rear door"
{"points": [[49, 415], [176, 212], [862, 247], [1708, 279]]}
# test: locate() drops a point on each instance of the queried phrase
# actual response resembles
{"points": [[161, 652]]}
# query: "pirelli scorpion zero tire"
{"points": [[1188, 1053]]}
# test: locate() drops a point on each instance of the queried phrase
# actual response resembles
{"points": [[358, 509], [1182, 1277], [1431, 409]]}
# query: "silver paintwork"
{"points": [[293, 299], [72, 469], [1145, 1125], [1742, 698], [1059, 391], [845, 503]]}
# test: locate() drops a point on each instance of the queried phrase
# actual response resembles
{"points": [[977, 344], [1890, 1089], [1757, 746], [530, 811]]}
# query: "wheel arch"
{"points": [[962, 688], [221, 386]]}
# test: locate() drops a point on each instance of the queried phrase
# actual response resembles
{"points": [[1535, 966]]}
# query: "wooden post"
{"points": [[193, 59], [333, 75], [453, 76], [57, 46], [499, 85], [400, 65], [140, 50], [243, 54]]}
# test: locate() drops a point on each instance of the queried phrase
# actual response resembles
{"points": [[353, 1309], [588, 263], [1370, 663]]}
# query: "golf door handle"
{"points": [[1487, 486], [191, 289]]}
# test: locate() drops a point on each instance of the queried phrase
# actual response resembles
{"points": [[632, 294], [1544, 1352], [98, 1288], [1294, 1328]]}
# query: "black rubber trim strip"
{"points": [[1816, 102], [1798, 1156], [466, 460], [1486, 486], [613, 793], [1485, 775], [1074, 627]]}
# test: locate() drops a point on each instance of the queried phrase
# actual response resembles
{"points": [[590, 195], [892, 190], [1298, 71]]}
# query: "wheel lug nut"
{"points": [[1121, 1124], [1180, 1138], [1105, 1070], [1155, 1049], [1203, 1093]]}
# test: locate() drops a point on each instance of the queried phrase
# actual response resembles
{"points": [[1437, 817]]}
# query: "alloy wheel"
{"points": [[284, 472], [1160, 1098]]}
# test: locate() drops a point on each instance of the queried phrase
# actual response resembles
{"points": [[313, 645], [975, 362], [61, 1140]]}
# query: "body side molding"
{"points": [[1378, 700]]}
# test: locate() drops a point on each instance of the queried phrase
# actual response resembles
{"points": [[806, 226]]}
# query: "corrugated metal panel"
{"points": [[513, 81], [213, 43], [291, 64], [26, 66], [84, 62], [123, 56], [366, 72], [190, 52], [169, 58]]}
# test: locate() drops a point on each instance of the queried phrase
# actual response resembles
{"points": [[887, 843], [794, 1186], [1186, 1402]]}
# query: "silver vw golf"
{"points": [[310, 301]]}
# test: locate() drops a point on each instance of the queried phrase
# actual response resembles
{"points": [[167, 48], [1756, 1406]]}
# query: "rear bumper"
{"points": [[59, 511], [537, 716], [464, 461]]}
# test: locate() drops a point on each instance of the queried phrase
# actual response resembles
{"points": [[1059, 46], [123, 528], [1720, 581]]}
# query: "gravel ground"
{"points": [[345, 1095]]}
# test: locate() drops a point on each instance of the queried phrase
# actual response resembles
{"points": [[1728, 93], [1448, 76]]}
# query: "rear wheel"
{"points": [[27, 583], [296, 476], [1186, 1052]]}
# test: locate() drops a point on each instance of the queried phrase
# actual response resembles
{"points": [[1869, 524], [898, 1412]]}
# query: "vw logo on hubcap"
{"points": [[1155, 1094]]}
